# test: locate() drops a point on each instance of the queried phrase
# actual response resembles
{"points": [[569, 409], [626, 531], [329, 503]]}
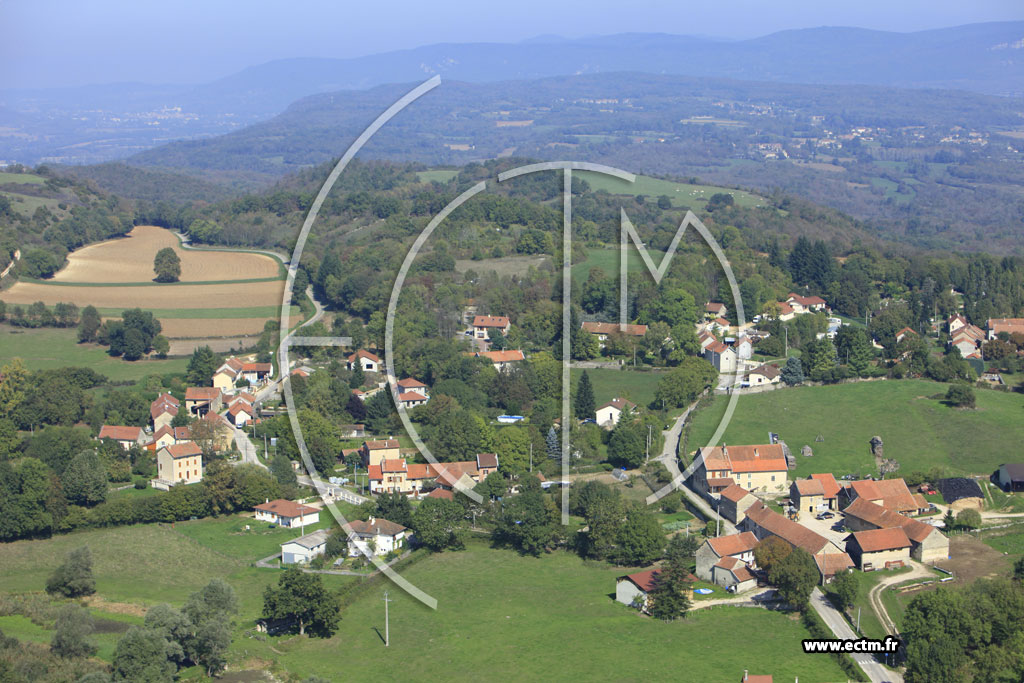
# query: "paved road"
{"points": [[919, 571], [841, 629], [247, 448], [669, 456]]}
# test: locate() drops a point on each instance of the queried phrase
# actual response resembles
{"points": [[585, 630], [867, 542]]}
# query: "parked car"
{"points": [[825, 515]]}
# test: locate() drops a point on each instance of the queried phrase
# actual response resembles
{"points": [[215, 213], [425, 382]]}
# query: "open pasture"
{"points": [[681, 194]]}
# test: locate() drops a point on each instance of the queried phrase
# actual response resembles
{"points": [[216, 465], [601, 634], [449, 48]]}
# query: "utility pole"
{"points": [[531, 456], [648, 451], [387, 633], [786, 353]]}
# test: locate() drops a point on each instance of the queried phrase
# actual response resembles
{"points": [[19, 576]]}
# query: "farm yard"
{"points": [[224, 297], [918, 429]]}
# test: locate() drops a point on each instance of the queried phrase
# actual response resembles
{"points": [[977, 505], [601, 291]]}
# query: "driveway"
{"points": [[824, 528], [919, 571]]}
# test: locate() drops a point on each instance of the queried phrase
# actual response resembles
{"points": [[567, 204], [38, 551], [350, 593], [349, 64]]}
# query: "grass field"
{"points": [[919, 432], [638, 387], [50, 348], [21, 178], [505, 266], [681, 194], [502, 617], [26, 205], [229, 536], [608, 261], [440, 175]]}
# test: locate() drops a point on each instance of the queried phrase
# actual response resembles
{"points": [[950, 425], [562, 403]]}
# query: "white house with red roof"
{"points": [[125, 436], [483, 325], [411, 393], [375, 536], [369, 362], [608, 414], [722, 357], [1007, 325], [286, 513], [806, 304], [500, 359], [603, 330]]}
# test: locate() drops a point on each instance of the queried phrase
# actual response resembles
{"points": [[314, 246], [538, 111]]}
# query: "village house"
{"points": [[830, 488], [603, 330], [806, 304], [633, 589], [1011, 476], [722, 357], [878, 548], [410, 399], [126, 437], [202, 400], [719, 326], [764, 374], [163, 410], [304, 548], [765, 522], [904, 333], [808, 496], [180, 463], [955, 323], [786, 311], [968, 340], [486, 464], [733, 574], [375, 452], [714, 309], [889, 493], [257, 373], [927, 544], [760, 467], [1007, 325], [225, 377], [213, 431], [744, 348], [734, 501], [500, 359], [484, 324], [734, 546], [377, 536], [286, 513], [706, 339], [410, 384], [399, 476], [367, 361], [162, 438], [608, 414], [241, 412]]}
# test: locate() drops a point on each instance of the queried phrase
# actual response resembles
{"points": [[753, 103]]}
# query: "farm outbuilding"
{"points": [[960, 493], [1011, 476]]}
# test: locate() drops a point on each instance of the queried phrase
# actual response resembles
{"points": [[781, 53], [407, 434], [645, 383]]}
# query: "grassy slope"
{"points": [[49, 348], [638, 387], [21, 178], [681, 194], [501, 616], [608, 261], [918, 431]]}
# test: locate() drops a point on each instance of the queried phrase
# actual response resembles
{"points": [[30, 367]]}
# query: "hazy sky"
{"points": [[75, 42]]}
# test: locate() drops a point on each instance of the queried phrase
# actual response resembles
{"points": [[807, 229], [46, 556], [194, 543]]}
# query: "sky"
{"points": [[48, 43]]}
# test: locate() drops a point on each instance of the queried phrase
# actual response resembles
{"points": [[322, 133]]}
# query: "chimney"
{"points": [[372, 520], [744, 674], [266, 500], [756, 454]]}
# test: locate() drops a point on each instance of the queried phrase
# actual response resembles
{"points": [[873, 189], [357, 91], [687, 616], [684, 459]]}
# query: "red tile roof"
{"points": [[257, 367], [877, 540], [619, 404], [828, 484], [441, 493], [770, 371], [502, 356], [714, 307], [410, 383], [488, 460], [757, 458], [882, 518], [202, 393], [720, 482], [805, 301], [645, 580], [409, 396], [373, 472], [733, 544], [795, 534], [735, 493], [490, 321], [613, 328], [1008, 325], [829, 564], [120, 433], [286, 508], [385, 443], [182, 434], [183, 450], [737, 567], [809, 487], [363, 353], [393, 465], [892, 493]]}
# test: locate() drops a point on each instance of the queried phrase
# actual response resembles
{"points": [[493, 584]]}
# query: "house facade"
{"points": [[755, 468], [369, 362], [484, 325], [126, 437], [286, 513], [375, 535], [722, 357], [201, 400], [608, 415], [879, 548], [713, 550], [734, 501], [375, 452], [603, 330], [180, 463], [304, 548]]}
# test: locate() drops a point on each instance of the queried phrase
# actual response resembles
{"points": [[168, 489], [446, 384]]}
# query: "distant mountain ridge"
{"points": [[985, 58]]}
